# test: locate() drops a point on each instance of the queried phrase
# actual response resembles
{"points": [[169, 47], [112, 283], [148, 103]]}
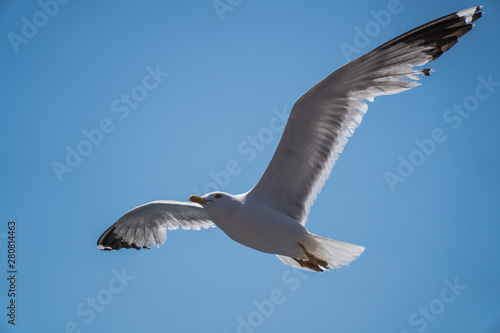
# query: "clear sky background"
{"points": [[431, 261]]}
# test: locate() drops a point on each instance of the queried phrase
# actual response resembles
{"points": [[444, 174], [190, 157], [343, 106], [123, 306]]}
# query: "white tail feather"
{"points": [[334, 252]]}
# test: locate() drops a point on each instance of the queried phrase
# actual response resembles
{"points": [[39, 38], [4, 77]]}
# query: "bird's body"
{"points": [[271, 217], [251, 222], [248, 221]]}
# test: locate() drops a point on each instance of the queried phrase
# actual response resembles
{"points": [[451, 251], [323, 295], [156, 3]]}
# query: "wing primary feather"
{"points": [[146, 225], [322, 120]]}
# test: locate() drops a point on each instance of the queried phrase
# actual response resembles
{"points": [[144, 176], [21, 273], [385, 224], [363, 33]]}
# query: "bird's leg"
{"points": [[313, 258], [313, 262], [308, 264]]}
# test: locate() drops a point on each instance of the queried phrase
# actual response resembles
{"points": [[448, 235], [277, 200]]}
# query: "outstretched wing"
{"points": [[147, 225], [323, 118]]}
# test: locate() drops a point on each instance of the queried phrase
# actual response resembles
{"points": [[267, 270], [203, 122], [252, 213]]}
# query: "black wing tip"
{"points": [[439, 35], [477, 15], [471, 16], [474, 16], [466, 17], [451, 28], [109, 241], [120, 245]]}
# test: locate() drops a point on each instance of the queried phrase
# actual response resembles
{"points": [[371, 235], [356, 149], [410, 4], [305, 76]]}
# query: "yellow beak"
{"points": [[198, 199]]}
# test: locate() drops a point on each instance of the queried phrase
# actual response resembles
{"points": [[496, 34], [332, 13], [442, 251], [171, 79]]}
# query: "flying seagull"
{"points": [[271, 217]]}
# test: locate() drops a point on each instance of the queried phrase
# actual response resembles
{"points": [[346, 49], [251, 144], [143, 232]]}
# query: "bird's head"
{"points": [[214, 199]]}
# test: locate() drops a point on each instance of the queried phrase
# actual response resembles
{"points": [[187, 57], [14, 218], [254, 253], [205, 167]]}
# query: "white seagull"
{"points": [[271, 217]]}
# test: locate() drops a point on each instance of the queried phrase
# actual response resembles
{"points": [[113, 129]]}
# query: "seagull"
{"points": [[271, 217]]}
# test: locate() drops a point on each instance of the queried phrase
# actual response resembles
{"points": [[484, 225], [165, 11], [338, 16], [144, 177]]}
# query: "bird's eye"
{"points": [[218, 196]]}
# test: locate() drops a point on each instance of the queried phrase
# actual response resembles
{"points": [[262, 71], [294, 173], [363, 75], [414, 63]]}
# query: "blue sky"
{"points": [[209, 92]]}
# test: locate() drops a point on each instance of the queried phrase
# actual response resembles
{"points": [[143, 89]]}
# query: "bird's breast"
{"points": [[259, 227]]}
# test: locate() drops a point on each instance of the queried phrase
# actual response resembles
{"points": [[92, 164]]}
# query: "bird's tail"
{"points": [[335, 253]]}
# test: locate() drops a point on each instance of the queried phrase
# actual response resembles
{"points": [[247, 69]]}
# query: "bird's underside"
{"points": [[320, 123]]}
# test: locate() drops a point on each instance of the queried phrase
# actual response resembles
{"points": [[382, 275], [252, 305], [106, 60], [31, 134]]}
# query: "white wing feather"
{"points": [[147, 224], [323, 119]]}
